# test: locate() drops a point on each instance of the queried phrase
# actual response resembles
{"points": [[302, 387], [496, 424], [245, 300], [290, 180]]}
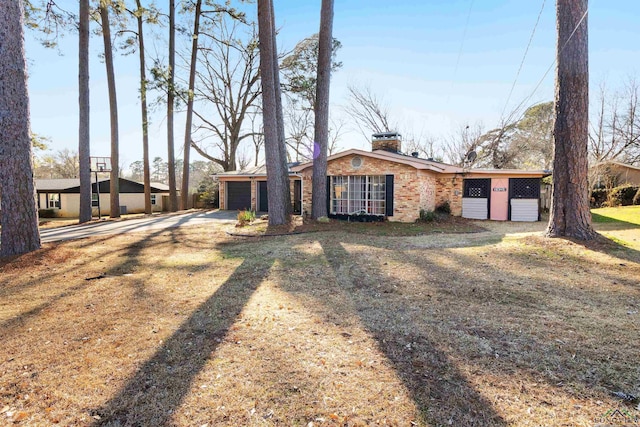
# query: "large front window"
{"points": [[353, 195]]}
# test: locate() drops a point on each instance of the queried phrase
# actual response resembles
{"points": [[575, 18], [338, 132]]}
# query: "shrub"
{"points": [[598, 197], [444, 208], [208, 194], [245, 217], [621, 196], [427, 216], [46, 213]]}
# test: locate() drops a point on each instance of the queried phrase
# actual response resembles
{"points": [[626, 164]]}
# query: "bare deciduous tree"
{"points": [[227, 91], [615, 127], [463, 141], [369, 112]]}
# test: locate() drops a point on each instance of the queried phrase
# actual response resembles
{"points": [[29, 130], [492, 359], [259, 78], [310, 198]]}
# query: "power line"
{"points": [[526, 51], [553, 63], [464, 38]]}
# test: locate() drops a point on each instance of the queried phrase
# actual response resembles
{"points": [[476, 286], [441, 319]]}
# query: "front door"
{"points": [[263, 197], [500, 199]]}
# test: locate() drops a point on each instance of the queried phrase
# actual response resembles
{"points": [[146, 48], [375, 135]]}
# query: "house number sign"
{"points": [[499, 189]]}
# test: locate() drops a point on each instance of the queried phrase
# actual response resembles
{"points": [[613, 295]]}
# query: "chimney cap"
{"points": [[387, 135]]}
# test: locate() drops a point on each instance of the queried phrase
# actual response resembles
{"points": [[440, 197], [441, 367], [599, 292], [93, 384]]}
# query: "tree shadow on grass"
{"points": [[441, 392], [609, 245], [609, 223], [478, 302], [158, 388]]}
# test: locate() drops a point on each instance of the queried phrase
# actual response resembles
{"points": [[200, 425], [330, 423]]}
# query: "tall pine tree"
{"points": [[19, 216], [570, 215], [321, 140], [275, 152]]}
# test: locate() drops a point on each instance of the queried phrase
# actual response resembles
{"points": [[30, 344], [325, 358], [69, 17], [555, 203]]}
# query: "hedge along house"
{"points": [[63, 196], [384, 183]]}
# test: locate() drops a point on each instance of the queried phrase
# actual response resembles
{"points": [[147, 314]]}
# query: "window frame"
{"points": [[53, 201], [358, 195], [154, 200]]}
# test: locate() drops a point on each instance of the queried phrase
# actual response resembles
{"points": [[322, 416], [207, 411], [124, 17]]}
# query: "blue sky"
{"points": [[412, 54]]}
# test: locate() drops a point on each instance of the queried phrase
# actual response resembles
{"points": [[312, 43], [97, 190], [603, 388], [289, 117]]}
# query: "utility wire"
{"points": [[464, 38], [526, 51], [524, 101]]}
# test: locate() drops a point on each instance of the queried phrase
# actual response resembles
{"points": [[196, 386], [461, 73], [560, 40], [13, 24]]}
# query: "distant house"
{"points": [[384, 183], [63, 196], [612, 174]]}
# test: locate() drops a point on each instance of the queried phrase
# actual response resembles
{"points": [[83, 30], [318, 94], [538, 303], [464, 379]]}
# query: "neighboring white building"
{"points": [[63, 195]]}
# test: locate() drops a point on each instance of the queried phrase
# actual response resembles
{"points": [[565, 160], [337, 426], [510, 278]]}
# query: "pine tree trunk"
{"points": [[282, 146], [184, 193], [84, 146], [19, 216], [114, 188], [321, 140], [173, 196], [570, 215], [276, 166], [148, 208]]}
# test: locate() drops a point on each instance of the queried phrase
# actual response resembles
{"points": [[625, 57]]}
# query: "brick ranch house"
{"points": [[384, 183]]}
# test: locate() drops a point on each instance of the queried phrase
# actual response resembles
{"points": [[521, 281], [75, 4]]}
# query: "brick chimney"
{"points": [[389, 141]]}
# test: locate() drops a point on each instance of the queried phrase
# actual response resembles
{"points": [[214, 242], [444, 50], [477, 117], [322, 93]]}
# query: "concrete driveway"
{"points": [[154, 222]]}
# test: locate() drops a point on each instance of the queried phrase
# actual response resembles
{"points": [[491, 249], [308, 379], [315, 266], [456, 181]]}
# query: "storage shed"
{"points": [[509, 196]]}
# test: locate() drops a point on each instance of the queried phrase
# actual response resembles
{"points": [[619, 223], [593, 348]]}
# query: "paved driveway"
{"points": [[136, 225]]}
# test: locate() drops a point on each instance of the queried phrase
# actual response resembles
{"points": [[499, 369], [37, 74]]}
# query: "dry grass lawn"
{"points": [[194, 327]]}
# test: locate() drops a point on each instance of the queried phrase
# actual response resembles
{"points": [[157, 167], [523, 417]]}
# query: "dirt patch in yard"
{"points": [[192, 326]]}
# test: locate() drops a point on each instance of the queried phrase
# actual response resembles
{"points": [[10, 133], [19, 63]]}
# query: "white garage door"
{"points": [[475, 208], [524, 209]]}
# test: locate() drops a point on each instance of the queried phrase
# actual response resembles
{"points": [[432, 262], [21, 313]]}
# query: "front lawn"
{"points": [[193, 327], [628, 214]]}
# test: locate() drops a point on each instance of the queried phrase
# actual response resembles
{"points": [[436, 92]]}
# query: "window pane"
{"points": [[358, 194]]}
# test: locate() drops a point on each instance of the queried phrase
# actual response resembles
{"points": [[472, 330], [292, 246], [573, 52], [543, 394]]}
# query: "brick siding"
{"points": [[413, 189]]}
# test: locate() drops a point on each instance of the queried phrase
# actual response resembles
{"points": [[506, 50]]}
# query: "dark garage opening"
{"points": [[239, 195], [263, 197]]}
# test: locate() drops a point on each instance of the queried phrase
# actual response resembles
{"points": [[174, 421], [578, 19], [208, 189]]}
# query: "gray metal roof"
{"points": [[62, 184]]}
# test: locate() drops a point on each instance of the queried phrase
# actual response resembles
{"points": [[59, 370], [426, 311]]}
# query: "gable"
{"points": [[356, 164]]}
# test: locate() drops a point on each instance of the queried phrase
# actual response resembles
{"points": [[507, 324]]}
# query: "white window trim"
{"points": [[51, 203], [367, 203]]}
